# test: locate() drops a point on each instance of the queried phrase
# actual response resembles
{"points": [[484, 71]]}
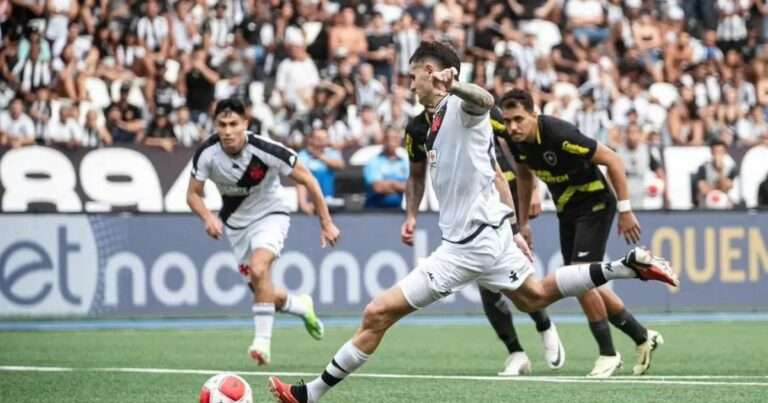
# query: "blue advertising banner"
{"points": [[165, 265]]}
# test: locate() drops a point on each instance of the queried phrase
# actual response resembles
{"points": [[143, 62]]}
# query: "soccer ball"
{"points": [[226, 388]]}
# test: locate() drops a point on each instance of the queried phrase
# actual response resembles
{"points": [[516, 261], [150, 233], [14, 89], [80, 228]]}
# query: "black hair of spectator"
{"points": [[229, 105], [516, 97], [717, 142], [443, 53]]}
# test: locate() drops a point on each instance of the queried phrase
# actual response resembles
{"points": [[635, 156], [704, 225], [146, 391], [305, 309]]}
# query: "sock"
{"points": [[294, 306], [263, 318], [602, 333], [575, 280], [500, 318], [347, 360], [630, 326], [616, 270], [541, 318]]}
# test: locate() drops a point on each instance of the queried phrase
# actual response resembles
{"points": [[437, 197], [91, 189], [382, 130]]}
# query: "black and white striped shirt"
{"points": [[249, 182], [219, 30], [32, 74], [152, 31]]}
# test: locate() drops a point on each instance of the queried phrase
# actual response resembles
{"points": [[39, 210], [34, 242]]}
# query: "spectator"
{"points": [[16, 127], [640, 163], [592, 122], [153, 32], [160, 133], [381, 48], [346, 38], [420, 12], [370, 92], [95, 133], [41, 111], [732, 24], [714, 179], [297, 75], [367, 129], [386, 174], [218, 37], [406, 41], [198, 85], [66, 130], [60, 13], [124, 121], [587, 20], [323, 161], [187, 133], [32, 72]]}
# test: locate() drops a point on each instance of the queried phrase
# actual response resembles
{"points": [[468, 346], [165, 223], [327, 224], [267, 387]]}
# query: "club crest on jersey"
{"points": [[550, 157], [257, 172]]}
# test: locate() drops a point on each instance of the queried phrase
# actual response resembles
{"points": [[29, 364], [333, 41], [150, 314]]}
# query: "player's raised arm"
{"points": [[328, 231], [476, 100]]}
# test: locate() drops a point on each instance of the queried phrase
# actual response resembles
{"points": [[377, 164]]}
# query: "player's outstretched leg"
{"points": [[302, 306], [645, 339], [575, 280], [380, 314], [499, 316]]}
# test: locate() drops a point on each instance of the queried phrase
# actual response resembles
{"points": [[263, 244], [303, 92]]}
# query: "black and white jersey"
{"points": [[461, 162], [249, 182]]}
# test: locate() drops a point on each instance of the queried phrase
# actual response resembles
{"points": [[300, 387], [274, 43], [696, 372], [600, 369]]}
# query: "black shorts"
{"points": [[583, 238]]}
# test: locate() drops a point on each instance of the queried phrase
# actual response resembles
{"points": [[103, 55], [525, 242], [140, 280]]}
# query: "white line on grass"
{"points": [[651, 380]]}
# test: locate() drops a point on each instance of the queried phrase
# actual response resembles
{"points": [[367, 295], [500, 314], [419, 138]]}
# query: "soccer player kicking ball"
{"points": [[246, 169], [478, 242], [567, 161], [494, 304]]}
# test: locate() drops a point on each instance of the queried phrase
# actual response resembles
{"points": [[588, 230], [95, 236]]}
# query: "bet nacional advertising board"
{"points": [[112, 265]]}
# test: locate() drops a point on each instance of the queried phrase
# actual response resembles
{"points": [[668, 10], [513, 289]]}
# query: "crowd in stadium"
{"points": [[331, 77]]}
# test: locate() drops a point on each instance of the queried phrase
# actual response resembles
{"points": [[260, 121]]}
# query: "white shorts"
{"points": [[267, 233], [491, 259]]}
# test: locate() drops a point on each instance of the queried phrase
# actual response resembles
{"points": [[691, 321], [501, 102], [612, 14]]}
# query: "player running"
{"points": [[495, 305], [567, 161], [478, 242], [246, 170]]}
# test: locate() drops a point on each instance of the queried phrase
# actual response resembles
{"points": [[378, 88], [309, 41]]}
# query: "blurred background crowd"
{"points": [[330, 78]]}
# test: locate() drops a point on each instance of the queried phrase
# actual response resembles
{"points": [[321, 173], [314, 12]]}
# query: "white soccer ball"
{"points": [[226, 388]]}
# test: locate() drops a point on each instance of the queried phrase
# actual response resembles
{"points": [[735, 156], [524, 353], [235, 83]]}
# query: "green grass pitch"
{"points": [[700, 362]]}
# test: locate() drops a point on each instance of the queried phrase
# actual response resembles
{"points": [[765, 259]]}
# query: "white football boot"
{"points": [[554, 352], [606, 365], [516, 364], [645, 352]]}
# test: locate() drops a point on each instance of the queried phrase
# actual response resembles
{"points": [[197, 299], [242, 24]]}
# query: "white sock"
{"points": [[294, 306], [616, 270], [347, 360], [575, 280], [263, 318]]}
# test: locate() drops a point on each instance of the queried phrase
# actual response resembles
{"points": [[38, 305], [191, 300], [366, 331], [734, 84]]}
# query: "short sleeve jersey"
{"points": [[460, 161], [561, 158], [249, 182]]}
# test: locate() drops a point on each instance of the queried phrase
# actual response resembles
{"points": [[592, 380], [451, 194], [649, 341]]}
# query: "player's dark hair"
{"points": [[233, 105], [517, 97], [443, 53]]}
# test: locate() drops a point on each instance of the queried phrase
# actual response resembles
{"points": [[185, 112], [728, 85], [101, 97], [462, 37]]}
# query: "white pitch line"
{"points": [[654, 380]]}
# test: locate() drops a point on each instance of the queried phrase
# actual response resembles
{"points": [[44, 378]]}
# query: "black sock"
{"points": [[602, 333], [501, 319], [299, 392], [541, 319], [627, 323]]}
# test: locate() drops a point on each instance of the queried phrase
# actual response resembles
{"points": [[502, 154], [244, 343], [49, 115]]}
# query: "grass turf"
{"points": [[690, 349]]}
